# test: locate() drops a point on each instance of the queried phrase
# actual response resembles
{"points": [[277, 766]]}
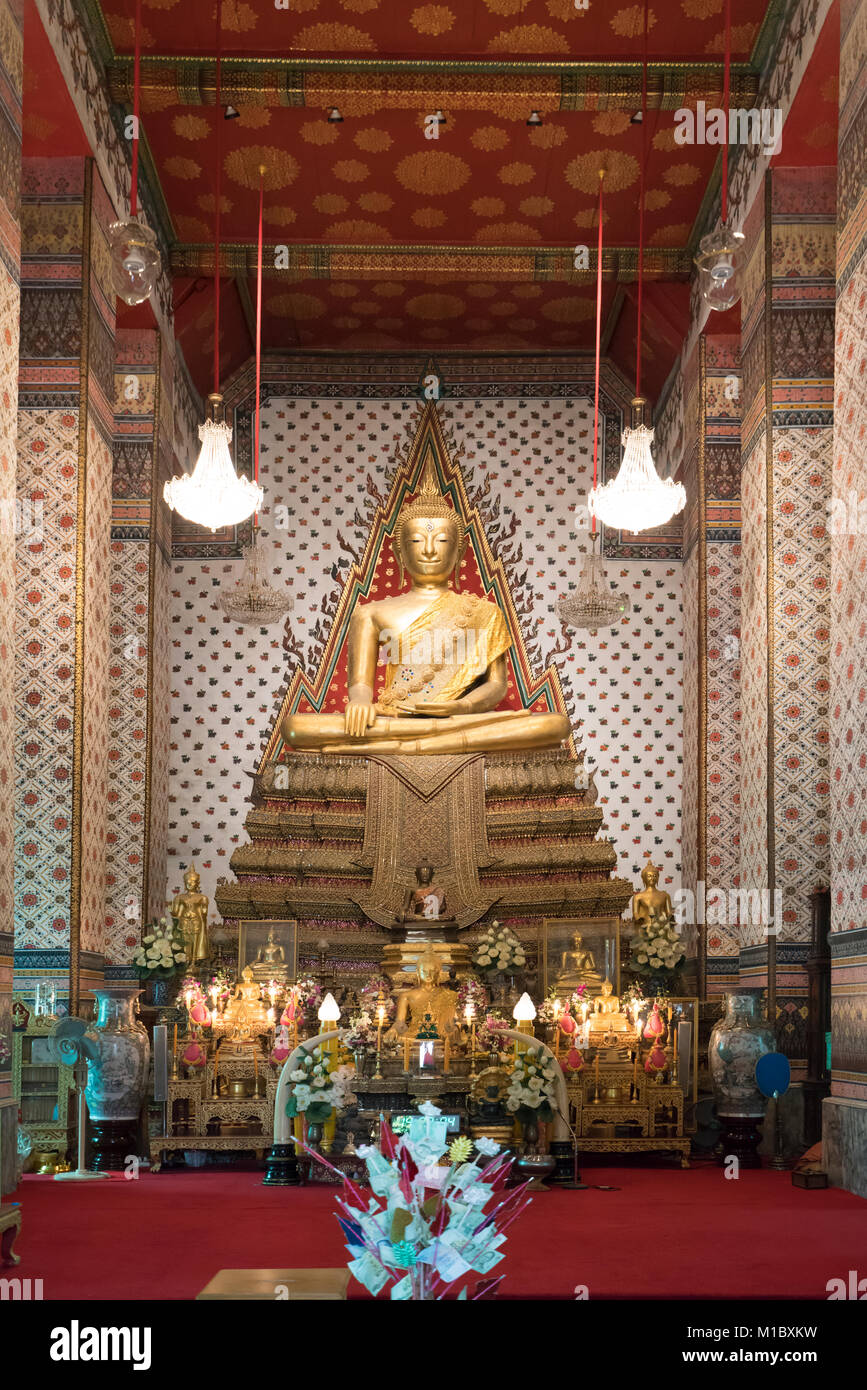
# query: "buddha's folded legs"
{"points": [[495, 731]]}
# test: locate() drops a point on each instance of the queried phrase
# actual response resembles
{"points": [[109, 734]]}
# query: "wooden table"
{"points": [[276, 1285]]}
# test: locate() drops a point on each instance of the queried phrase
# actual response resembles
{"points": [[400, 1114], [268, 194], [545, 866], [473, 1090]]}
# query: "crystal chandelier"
{"points": [[213, 495], [254, 602], [637, 499], [594, 604]]}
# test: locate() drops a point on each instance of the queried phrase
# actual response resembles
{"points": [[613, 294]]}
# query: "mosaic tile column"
{"points": [[787, 330], [11, 74], [65, 430], [845, 1112], [711, 578], [138, 703]]}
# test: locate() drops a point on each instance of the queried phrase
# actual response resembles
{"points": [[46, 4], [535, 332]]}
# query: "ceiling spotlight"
{"points": [[231, 113], [534, 118], [334, 116]]}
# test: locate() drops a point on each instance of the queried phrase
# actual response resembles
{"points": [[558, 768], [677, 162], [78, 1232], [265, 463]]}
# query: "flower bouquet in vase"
{"points": [[160, 958], [500, 955], [313, 1094], [531, 1098]]}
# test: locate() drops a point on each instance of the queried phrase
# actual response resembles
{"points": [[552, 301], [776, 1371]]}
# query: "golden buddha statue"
{"points": [[607, 1025], [652, 907], [446, 671], [577, 967], [245, 1015], [428, 1000], [190, 909], [270, 962]]}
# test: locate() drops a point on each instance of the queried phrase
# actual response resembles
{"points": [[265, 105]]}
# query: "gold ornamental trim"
{"points": [[329, 261], [80, 601], [403, 84]]}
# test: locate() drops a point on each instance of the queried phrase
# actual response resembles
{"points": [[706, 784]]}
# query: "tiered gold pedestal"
{"points": [[245, 1123], [335, 841]]}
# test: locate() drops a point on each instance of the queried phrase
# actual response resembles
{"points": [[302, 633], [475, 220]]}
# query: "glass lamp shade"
{"points": [[213, 495], [135, 260], [594, 604], [637, 499], [720, 265]]}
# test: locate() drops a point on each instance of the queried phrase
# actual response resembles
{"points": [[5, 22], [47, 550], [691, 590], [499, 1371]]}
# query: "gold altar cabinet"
{"points": [[336, 838]]}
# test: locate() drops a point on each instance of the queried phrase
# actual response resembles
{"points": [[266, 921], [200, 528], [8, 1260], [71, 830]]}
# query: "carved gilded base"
{"points": [[400, 958]]}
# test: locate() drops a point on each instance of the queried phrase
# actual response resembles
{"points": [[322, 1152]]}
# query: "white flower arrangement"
{"points": [[499, 949], [161, 949], [314, 1093], [531, 1090], [656, 946]]}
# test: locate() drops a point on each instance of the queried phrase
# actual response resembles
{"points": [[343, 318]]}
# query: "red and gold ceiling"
{"points": [[395, 240]]}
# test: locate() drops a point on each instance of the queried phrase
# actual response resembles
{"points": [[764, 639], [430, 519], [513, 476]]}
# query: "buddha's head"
{"points": [[577, 940], [650, 875], [424, 874], [429, 968], [191, 880], [429, 538]]}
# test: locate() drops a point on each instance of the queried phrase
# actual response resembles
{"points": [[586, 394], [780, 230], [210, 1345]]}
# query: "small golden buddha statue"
{"points": [[577, 967], [446, 672], [652, 907], [270, 961], [190, 909], [607, 1024], [245, 1016], [428, 998]]}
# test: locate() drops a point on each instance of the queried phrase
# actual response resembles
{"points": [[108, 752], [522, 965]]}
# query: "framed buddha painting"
{"points": [[580, 951], [270, 948]]}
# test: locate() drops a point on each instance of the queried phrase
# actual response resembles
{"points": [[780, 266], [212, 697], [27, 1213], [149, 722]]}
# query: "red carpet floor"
{"points": [[665, 1234]]}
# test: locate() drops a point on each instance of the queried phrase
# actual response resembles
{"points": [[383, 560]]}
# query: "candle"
{"points": [[175, 1041], [256, 1070], [596, 1077], [635, 1077]]}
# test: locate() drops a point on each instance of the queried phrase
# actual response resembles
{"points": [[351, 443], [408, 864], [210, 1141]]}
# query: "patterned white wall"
{"points": [[325, 464]]}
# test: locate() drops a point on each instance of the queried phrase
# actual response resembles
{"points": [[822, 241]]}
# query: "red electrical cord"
{"points": [[641, 202], [598, 343], [136, 102], [219, 120], [258, 331], [726, 100]]}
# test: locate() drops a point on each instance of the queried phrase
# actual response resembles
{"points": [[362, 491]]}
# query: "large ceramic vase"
{"points": [[116, 1077], [738, 1040]]}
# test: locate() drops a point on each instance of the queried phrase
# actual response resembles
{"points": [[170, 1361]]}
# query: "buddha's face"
{"points": [[191, 881], [424, 874], [429, 547], [428, 971], [650, 875]]}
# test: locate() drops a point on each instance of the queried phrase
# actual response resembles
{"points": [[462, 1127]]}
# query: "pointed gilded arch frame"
{"points": [[542, 693]]}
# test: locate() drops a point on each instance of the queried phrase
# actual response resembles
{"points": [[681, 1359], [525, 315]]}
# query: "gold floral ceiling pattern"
{"points": [[486, 203]]}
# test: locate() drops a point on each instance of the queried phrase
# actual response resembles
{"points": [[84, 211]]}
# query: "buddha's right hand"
{"points": [[359, 717]]}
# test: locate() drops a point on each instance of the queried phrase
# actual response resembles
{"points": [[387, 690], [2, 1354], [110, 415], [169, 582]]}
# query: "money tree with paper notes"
{"points": [[428, 1226]]}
